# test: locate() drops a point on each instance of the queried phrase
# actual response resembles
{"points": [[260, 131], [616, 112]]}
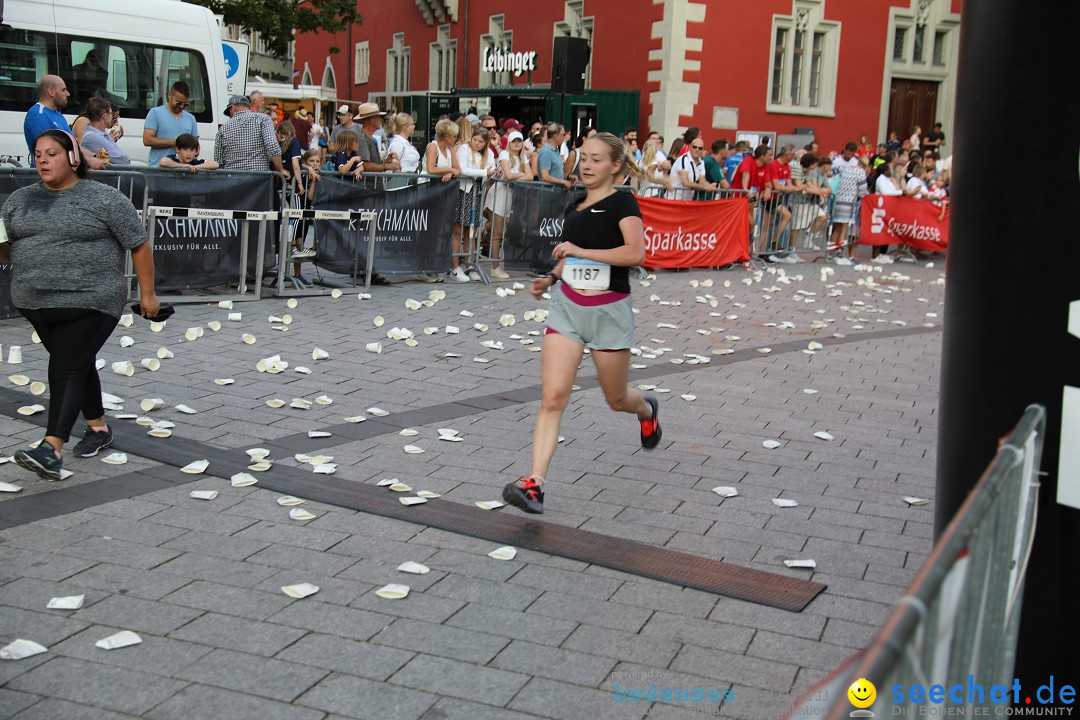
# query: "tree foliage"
{"points": [[275, 20]]}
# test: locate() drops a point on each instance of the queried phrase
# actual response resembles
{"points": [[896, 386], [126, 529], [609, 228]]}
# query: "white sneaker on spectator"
{"points": [[458, 274], [428, 278], [882, 260], [499, 274], [840, 260], [303, 254], [775, 259], [791, 259], [474, 276]]}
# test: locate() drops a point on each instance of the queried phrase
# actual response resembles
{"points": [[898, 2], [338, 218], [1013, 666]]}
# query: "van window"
{"points": [[135, 76]]}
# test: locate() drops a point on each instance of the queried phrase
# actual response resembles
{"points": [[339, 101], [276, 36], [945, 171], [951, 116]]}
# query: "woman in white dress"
{"points": [[476, 162], [513, 165]]}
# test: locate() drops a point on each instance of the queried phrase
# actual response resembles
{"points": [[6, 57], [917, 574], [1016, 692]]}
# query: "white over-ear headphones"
{"points": [[74, 155]]}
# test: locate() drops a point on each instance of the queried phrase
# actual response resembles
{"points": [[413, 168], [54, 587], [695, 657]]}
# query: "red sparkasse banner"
{"points": [[887, 220], [685, 233]]}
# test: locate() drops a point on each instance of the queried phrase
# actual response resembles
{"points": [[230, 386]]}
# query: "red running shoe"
{"points": [[650, 429], [525, 494]]}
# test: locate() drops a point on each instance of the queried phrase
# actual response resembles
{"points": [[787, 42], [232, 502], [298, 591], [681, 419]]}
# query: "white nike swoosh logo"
{"points": [[597, 211]]}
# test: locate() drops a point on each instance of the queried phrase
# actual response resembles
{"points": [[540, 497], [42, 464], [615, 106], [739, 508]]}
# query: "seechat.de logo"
{"points": [[1006, 699]]}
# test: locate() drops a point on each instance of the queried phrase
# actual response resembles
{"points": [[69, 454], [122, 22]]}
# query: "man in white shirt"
{"points": [[688, 173], [846, 158]]}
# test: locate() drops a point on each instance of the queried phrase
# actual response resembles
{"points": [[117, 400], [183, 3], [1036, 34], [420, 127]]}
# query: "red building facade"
{"points": [[841, 68]]}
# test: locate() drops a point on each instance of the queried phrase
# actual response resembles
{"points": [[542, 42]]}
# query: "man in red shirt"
{"points": [[750, 176], [779, 177]]}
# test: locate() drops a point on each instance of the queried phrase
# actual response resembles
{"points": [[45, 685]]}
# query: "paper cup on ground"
{"points": [[123, 367], [319, 354], [225, 304], [150, 364], [300, 591], [291, 303], [14, 355], [165, 353], [151, 404], [191, 334], [37, 388], [156, 326], [214, 325], [235, 317], [248, 338], [373, 347]]}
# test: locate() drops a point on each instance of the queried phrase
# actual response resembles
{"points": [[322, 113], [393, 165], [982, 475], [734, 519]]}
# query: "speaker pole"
{"points": [[1007, 342]]}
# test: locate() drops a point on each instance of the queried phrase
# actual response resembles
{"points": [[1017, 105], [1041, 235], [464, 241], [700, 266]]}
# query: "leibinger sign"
{"points": [[500, 60]]}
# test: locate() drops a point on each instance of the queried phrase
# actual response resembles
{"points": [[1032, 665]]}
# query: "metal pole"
{"points": [[242, 287], [370, 249], [260, 258], [1006, 343]]}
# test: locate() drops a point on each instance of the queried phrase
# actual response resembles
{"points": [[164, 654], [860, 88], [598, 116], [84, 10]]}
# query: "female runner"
{"points": [[591, 308]]}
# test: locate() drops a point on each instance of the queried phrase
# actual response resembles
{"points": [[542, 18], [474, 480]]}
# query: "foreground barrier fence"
{"points": [[958, 622]]}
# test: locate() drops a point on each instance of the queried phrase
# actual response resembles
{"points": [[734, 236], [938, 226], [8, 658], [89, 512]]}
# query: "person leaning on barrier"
{"points": [[731, 165], [66, 238], [513, 165], [688, 173], [347, 160], [370, 118], [247, 141], [96, 136], [477, 163], [165, 123], [653, 165], [714, 163], [439, 157], [291, 151], [549, 161], [187, 155], [400, 128], [779, 178]]}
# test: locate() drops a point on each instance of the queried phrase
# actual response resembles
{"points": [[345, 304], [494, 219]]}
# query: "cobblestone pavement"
{"points": [[537, 636]]}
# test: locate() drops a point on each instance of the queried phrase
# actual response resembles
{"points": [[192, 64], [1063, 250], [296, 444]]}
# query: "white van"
{"points": [[130, 51]]}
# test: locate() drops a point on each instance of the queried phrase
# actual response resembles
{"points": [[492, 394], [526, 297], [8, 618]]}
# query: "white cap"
{"points": [[515, 135], [342, 109]]}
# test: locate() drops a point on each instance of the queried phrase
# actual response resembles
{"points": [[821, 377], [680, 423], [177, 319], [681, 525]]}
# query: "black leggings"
{"points": [[73, 337]]}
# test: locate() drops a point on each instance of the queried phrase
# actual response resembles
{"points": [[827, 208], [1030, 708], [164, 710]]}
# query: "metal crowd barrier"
{"points": [[371, 217], [246, 217], [961, 615], [297, 212]]}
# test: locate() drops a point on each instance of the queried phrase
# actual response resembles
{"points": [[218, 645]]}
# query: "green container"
{"points": [[607, 110]]}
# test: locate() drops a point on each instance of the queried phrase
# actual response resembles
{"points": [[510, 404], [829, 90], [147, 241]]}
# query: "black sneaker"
{"points": [[650, 429], [41, 460], [525, 494], [92, 442]]}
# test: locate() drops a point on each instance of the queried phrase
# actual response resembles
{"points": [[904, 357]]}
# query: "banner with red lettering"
{"points": [[888, 220], [685, 234]]}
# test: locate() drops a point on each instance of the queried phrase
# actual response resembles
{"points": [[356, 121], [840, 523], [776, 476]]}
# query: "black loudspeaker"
{"points": [[569, 58]]}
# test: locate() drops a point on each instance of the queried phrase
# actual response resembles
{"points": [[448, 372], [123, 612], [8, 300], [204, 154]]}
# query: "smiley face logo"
{"points": [[862, 693]]}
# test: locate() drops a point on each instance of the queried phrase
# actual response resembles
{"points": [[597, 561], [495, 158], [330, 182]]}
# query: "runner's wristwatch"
{"points": [[554, 278]]}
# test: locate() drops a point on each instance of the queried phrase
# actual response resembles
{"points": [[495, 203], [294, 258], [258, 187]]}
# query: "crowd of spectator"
{"points": [[793, 192]]}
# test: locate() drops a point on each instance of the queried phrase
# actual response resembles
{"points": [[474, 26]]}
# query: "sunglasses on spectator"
{"points": [[488, 127], [697, 147]]}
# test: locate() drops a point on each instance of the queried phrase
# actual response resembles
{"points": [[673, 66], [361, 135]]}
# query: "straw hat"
{"points": [[367, 110]]}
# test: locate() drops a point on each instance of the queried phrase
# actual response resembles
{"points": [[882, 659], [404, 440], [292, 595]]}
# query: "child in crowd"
{"points": [[187, 155], [304, 231], [347, 160]]}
